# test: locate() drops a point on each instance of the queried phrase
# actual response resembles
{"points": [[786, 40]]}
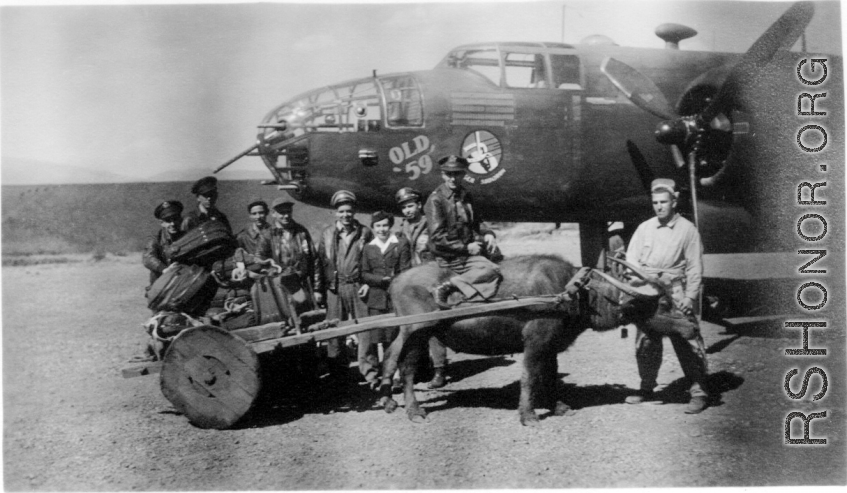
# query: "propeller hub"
{"points": [[671, 132]]}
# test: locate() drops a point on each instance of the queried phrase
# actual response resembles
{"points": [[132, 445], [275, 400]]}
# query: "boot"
{"points": [[439, 379], [697, 405], [643, 397], [441, 293]]}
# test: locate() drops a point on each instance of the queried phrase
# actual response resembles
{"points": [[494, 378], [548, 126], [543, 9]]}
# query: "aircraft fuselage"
{"points": [[544, 128], [538, 153]]}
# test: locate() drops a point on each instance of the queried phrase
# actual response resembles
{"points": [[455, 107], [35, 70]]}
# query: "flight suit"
{"points": [[292, 249], [338, 275]]}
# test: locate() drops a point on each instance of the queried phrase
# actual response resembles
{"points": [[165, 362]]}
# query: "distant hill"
{"points": [[118, 217], [190, 175], [15, 171]]}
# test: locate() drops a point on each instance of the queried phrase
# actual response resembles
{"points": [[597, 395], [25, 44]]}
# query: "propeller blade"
{"points": [[692, 183], [638, 88], [678, 158], [644, 172], [781, 35]]}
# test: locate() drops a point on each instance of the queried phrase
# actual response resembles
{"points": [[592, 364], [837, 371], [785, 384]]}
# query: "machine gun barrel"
{"points": [[236, 158]]}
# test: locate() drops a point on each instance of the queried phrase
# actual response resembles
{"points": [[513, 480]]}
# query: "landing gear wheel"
{"points": [[210, 376]]}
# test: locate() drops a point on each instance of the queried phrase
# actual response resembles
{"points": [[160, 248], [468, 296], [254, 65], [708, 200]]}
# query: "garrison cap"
{"points": [[406, 194], [168, 209], [253, 203], [453, 163], [343, 197], [381, 216], [205, 185], [280, 204], [663, 184]]}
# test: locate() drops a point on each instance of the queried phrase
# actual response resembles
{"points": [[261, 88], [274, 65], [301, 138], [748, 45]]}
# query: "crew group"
{"points": [[353, 265]]}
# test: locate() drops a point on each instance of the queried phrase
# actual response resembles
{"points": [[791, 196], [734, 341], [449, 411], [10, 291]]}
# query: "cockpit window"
{"points": [[351, 107], [484, 62], [403, 104], [525, 70], [363, 107], [565, 71]]}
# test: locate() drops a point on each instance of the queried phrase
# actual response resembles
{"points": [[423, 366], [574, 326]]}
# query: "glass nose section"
{"points": [[342, 108], [349, 107]]}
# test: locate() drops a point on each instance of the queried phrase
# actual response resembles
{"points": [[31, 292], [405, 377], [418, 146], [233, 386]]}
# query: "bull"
{"points": [[589, 298]]}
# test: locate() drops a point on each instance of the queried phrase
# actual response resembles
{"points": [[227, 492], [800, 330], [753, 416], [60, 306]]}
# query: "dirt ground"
{"points": [[72, 423]]}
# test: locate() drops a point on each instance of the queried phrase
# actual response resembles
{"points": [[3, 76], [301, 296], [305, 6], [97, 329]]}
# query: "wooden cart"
{"points": [[213, 376]]}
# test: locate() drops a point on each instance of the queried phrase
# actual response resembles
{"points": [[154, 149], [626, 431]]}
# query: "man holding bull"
{"points": [[668, 247]]}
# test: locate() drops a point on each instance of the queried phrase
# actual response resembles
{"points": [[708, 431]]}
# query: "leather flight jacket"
{"points": [[326, 275], [452, 223]]}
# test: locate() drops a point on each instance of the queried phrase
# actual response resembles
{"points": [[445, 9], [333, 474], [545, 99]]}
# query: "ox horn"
{"points": [[646, 291]]}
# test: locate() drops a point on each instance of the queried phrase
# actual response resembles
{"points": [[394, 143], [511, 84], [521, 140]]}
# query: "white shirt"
{"points": [[384, 246]]}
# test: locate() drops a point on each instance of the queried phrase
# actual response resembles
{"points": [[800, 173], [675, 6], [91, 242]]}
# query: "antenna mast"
{"points": [[563, 23]]}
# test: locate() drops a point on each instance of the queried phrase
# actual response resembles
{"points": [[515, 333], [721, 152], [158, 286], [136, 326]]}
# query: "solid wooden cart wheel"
{"points": [[211, 376]]}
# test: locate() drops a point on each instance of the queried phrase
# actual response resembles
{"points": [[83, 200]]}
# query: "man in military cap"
{"points": [[668, 247], [206, 191], [255, 239], [292, 248], [414, 228], [169, 214], [156, 260], [414, 225], [458, 238], [339, 276]]}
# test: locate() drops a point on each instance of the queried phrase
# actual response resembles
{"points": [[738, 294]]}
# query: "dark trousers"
{"points": [[689, 348], [345, 304], [368, 353]]}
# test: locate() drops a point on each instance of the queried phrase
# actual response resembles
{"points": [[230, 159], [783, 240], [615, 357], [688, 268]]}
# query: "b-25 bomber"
{"points": [[559, 133]]}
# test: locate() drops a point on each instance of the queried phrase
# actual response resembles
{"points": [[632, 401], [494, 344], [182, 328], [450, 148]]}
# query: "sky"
{"points": [[130, 91]]}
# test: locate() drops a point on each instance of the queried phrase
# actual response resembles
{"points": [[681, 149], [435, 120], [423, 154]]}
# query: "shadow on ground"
{"points": [[577, 396], [460, 370], [718, 384], [291, 391], [280, 406]]}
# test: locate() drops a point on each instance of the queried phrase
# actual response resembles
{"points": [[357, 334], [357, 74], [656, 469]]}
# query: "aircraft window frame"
{"points": [[535, 69], [406, 100], [570, 83], [466, 61], [349, 107]]}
